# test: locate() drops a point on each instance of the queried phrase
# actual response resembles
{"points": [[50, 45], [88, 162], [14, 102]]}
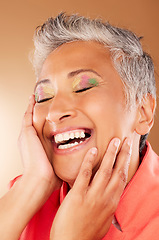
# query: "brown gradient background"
{"points": [[18, 19]]}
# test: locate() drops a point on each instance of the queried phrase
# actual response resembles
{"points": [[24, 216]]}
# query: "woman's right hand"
{"points": [[35, 160], [31, 191]]}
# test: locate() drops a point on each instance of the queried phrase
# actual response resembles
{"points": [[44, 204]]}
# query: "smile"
{"points": [[72, 138]]}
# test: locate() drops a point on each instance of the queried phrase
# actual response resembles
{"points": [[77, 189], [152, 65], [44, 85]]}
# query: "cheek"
{"points": [[101, 107], [107, 111], [39, 116]]}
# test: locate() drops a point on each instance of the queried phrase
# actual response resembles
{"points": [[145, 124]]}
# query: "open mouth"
{"points": [[71, 139]]}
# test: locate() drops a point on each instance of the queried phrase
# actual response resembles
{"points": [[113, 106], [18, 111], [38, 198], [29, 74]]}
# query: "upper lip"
{"points": [[67, 129]]}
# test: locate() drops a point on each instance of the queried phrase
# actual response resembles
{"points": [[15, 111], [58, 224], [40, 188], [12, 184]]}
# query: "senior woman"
{"points": [[89, 172]]}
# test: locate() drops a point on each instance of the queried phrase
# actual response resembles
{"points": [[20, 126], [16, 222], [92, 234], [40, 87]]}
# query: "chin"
{"points": [[68, 180], [67, 175]]}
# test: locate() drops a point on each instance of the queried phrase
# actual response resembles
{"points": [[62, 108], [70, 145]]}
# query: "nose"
{"points": [[61, 108]]}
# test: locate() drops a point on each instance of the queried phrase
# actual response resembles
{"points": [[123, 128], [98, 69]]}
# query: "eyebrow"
{"points": [[71, 74], [74, 73], [41, 81]]}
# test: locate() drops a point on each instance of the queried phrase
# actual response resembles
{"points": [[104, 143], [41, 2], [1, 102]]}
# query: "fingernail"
{"points": [[94, 151], [117, 142]]}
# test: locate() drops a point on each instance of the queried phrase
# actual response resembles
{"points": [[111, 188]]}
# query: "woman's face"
{"points": [[80, 104]]}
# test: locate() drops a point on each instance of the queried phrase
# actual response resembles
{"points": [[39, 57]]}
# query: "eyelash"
{"points": [[78, 91], [83, 89], [44, 100]]}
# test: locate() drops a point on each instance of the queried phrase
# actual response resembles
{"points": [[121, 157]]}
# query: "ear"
{"points": [[145, 115]]}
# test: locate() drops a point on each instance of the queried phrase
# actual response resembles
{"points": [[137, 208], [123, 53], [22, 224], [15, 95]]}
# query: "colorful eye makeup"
{"points": [[84, 82], [43, 93]]}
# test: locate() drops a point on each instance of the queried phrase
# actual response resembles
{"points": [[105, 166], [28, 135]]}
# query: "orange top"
{"points": [[138, 209], [137, 212]]}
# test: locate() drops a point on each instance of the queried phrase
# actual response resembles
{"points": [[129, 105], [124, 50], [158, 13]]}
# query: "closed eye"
{"points": [[44, 100], [83, 89]]}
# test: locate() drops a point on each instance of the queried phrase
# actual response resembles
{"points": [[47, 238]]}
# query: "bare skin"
{"points": [[95, 183], [83, 206], [98, 109], [35, 186], [40, 181]]}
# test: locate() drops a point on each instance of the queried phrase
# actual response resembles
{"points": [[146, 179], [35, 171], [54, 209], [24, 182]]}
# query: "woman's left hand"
{"points": [[88, 209]]}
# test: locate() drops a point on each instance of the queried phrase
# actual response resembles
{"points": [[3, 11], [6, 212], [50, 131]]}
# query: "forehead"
{"points": [[77, 55]]}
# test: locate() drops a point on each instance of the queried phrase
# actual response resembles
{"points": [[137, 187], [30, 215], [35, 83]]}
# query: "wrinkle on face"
{"points": [[101, 108]]}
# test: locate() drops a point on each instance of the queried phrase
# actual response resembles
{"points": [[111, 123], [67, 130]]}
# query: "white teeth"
{"points": [[66, 146], [82, 135], [77, 134], [62, 138], [72, 135], [59, 138], [66, 136]]}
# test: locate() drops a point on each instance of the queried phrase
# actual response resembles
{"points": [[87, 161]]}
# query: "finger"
{"points": [[28, 116], [104, 173], [119, 177], [83, 179]]}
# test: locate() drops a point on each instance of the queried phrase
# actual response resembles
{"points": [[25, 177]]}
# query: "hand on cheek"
{"points": [[35, 161], [89, 207]]}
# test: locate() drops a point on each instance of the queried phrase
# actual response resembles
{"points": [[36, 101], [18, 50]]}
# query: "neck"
{"points": [[135, 158]]}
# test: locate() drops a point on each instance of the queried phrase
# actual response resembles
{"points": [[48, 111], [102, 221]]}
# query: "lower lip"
{"points": [[71, 149]]}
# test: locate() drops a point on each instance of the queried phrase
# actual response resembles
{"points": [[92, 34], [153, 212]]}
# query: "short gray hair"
{"points": [[134, 66]]}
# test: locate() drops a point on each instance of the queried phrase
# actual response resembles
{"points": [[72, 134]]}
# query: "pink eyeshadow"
{"points": [[40, 91], [84, 81]]}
